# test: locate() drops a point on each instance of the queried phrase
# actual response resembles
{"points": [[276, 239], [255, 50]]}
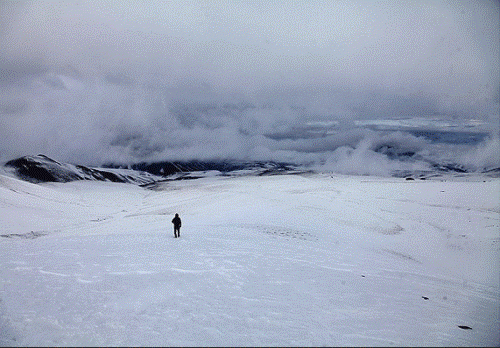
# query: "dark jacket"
{"points": [[176, 221]]}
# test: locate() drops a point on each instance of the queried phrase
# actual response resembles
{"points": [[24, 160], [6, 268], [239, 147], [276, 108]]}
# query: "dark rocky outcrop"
{"points": [[168, 168]]}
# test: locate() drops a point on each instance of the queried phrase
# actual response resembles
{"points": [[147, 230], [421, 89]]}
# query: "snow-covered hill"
{"points": [[41, 168], [306, 259]]}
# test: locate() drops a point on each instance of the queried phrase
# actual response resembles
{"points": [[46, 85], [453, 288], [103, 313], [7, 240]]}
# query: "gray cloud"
{"points": [[127, 81]]}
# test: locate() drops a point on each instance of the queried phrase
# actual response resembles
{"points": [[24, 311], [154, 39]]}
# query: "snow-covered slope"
{"points": [[306, 259], [41, 168]]}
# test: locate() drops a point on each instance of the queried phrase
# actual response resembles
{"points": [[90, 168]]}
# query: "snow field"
{"points": [[277, 260]]}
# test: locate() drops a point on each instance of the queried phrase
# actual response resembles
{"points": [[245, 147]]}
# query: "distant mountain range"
{"points": [[168, 168], [41, 168]]}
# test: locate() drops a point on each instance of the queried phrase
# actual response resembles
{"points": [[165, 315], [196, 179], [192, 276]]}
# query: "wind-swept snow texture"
{"points": [[310, 259]]}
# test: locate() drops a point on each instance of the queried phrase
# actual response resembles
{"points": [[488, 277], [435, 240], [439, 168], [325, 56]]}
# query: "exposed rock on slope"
{"points": [[44, 169]]}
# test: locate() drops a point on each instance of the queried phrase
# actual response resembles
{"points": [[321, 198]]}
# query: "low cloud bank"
{"points": [[112, 82], [96, 122]]}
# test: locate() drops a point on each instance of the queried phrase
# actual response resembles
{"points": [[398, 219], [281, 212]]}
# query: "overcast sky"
{"points": [[113, 74]]}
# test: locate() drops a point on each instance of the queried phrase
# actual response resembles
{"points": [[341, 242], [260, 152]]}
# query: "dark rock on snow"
{"points": [[167, 168], [44, 169]]}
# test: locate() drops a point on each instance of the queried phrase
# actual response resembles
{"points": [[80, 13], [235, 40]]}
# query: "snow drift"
{"points": [[305, 259]]}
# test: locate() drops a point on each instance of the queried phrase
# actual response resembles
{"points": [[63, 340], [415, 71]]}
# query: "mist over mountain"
{"points": [[315, 83]]}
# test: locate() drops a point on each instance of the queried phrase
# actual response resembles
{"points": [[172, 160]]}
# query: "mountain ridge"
{"points": [[41, 168]]}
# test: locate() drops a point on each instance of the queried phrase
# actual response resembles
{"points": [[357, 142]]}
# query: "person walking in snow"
{"points": [[177, 225]]}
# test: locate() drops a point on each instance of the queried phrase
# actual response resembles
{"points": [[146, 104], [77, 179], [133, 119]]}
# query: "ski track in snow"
{"points": [[280, 260]]}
